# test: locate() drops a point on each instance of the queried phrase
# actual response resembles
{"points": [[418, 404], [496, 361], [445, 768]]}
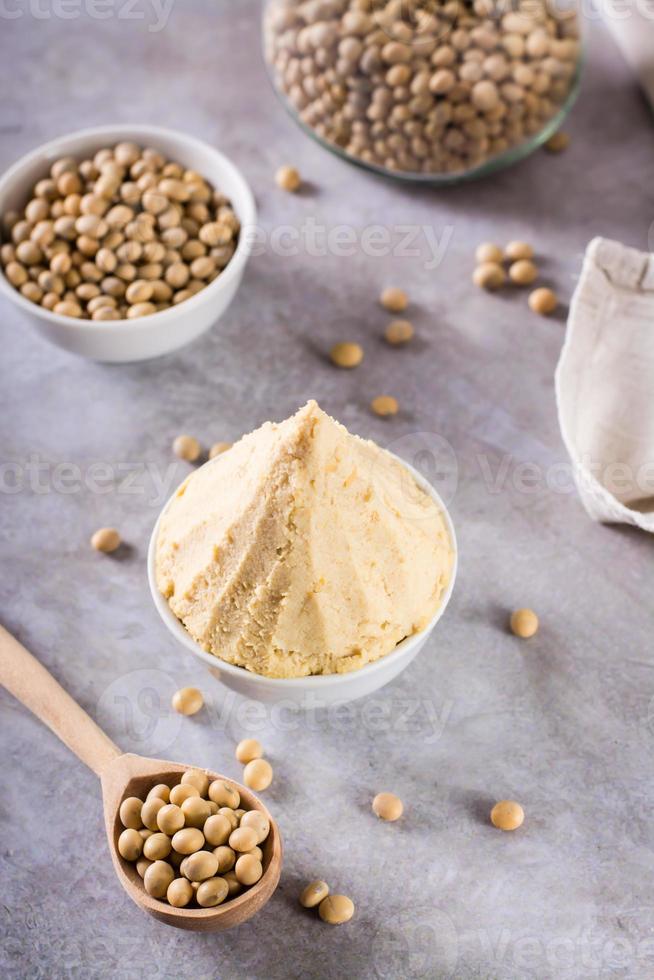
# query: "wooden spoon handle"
{"points": [[30, 683]]}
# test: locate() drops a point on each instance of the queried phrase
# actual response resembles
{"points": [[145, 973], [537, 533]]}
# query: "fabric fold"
{"points": [[605, 384]]}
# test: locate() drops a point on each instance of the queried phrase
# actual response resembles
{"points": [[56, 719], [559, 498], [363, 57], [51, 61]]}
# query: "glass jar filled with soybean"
{"points": [[434, 90]]}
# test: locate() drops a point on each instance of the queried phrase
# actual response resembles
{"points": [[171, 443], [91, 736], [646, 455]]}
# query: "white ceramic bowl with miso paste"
{"points": [[320, 690]]}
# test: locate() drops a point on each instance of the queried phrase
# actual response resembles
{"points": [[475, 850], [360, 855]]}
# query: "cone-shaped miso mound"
{"points": [[302, 550]]}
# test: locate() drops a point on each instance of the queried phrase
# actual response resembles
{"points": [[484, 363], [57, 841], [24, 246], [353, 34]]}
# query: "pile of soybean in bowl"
{"points": [[424, 87], [193, 844], [122, 235]]}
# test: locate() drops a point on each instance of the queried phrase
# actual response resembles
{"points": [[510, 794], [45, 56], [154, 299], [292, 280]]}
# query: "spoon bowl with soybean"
{"points": [[123, 775]]}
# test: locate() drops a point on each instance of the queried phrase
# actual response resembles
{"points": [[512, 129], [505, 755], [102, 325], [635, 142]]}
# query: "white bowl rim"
{"points": [[312, 681], [59, 145]]}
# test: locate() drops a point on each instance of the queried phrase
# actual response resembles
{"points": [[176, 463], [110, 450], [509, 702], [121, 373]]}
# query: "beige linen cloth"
{"points": [[605, 377], [605, 384]]}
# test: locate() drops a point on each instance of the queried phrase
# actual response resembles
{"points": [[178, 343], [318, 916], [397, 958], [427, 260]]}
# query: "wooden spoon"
{"points": [[123, 775]]}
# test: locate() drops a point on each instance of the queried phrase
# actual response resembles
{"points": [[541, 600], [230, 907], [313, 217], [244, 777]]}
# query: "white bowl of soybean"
{"points": [[167, 330], [321, 690]]}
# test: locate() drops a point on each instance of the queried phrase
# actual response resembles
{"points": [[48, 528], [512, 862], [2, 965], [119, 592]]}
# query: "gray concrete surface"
{"points": [[565, 724]]}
